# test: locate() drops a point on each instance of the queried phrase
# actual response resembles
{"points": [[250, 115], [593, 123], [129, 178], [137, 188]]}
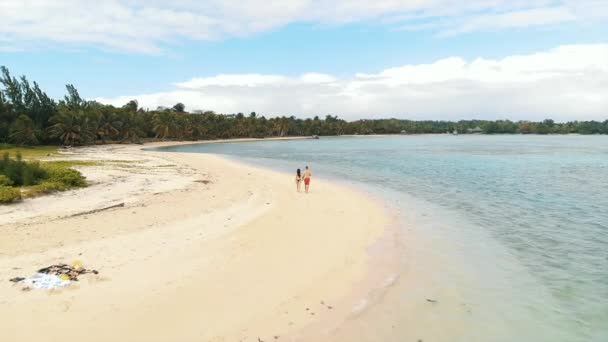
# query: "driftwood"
{"points": [[119, 205]]}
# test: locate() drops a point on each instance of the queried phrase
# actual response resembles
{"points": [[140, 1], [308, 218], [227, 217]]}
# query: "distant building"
{"points": [[403, 132], [476, 130]]}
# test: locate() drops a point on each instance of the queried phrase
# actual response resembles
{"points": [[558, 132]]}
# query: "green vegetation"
{"points": [[29, 152], [17, 172], [71, 163], [392, 126], [9, 194], [29, 117], [5, 181], [61, 174], [36, 178]]}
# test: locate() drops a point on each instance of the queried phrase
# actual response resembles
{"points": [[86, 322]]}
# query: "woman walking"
{"points": [[298, 179]]}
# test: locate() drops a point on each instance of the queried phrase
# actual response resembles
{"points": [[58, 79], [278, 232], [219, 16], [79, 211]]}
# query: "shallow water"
{"points": [[524, 218]]}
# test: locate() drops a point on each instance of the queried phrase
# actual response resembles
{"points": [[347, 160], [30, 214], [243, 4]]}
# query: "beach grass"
{"points": [[29, 152], [72, 163]]}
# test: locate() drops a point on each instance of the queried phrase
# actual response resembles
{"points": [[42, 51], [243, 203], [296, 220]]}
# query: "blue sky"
{"points": [[378, 58]]}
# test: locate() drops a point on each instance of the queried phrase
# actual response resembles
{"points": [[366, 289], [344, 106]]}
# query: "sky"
{"points": [[413, 59]]}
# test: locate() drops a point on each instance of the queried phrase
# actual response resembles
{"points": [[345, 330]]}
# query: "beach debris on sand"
{"points": [[67, 272], [54, 276], [45, 281]]}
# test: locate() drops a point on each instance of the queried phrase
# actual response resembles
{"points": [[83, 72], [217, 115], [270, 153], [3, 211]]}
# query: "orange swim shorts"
{"points": [[306, 181]]}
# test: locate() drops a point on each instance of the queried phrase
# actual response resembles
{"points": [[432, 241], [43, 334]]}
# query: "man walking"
{"points": [[307, 175]]}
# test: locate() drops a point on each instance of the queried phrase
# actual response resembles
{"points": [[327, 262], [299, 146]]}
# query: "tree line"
{"points": [[28, 116]]}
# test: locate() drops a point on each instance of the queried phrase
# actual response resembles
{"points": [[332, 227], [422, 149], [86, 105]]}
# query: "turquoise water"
{"points": [[529, 215]]}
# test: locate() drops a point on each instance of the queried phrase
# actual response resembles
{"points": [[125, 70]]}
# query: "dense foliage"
{"points": [[17, 172], [29, 117], [9, 194], [36, 177]]}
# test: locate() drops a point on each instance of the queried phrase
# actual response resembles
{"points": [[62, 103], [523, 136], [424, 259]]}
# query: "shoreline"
{"points": [[252, 256]]}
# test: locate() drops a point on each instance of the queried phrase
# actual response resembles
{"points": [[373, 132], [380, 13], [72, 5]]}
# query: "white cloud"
{"points": [[514, 19], [146, 26], [314, 78], [243, 80], [254, 80], [565, 83]]}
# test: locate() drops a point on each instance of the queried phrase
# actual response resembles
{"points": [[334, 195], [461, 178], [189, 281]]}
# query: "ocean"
{"points": [[518, 223]]}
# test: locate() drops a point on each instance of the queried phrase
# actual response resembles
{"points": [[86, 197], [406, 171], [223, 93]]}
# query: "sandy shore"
{"points": [[204, 249]]}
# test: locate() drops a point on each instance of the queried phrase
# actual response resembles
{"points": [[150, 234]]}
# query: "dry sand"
{"points": [[205, 249]]}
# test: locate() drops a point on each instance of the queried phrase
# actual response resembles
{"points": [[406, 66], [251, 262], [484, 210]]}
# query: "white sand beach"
{"points": [[204, 249]]}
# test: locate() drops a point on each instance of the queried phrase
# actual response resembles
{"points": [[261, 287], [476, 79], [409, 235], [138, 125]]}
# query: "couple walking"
{"points": [[305, 177]]}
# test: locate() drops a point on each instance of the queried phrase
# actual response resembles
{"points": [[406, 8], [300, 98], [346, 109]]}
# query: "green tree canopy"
{"points": [[29, 116]]}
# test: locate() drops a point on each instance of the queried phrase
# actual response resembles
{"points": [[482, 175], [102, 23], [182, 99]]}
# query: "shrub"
{"points": [[45, 187], [20, 172], [9, 194], [16, 172], [38, 178], [5, 181], [64, 175]]}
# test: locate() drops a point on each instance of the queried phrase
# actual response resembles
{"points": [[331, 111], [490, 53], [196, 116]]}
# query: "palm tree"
{"points": [[199, 131], [71, 127], [108, 125], [23, 131], [283, 125], [163, 124], [180, 128], [131, 127], [240, 126], [131, 106], [179, 107]]}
